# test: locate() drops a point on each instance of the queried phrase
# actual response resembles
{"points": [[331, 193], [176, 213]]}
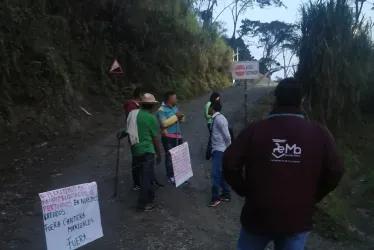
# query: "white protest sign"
{"points": [[245, 70], [71, 216], [180, 157]]}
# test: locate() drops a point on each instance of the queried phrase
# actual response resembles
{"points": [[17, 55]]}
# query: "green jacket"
{"points": [[207, 116]]}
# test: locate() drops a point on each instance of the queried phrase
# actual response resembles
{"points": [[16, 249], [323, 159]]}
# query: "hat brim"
{"points": [[142, 102]]}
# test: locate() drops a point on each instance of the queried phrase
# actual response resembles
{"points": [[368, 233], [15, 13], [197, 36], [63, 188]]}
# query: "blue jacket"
{"points": [[168, 120]]}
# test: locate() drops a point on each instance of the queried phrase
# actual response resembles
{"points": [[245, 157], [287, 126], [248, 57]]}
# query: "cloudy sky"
{"points": [[289, 15]]}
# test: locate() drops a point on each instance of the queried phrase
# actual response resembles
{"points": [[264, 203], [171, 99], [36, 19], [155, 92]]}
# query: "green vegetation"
{"points": [[335, 53], [55, 55], [335, 64]]}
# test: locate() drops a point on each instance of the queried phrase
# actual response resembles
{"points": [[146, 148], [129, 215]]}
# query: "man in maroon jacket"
{"points": [[130, 105], [290, 164]]}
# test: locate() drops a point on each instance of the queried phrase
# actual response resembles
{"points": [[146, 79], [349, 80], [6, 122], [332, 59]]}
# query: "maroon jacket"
{"points": [[130, 105], [290, 165]]}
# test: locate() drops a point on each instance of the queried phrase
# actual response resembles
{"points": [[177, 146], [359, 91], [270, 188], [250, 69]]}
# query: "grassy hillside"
{"points": [[55, 57]]}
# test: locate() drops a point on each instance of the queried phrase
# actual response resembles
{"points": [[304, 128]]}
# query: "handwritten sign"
{"points": [[71, 216], [180, 157]]}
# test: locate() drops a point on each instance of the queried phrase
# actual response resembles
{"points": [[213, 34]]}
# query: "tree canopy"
{"points": [[273, 37]]}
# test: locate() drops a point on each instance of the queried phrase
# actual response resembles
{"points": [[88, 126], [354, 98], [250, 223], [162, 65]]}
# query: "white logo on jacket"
{"points": [[284, 152]]}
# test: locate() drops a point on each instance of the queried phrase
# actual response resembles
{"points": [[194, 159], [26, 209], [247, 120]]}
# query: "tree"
{"points": [[273, 37], [206, 14], [238, 43], [358, 5], [240, 6], [289, 50]]}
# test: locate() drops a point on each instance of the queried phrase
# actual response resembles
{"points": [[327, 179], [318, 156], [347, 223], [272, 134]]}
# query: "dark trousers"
{"points": [[147, 191], [169, 143], [136, 169]]}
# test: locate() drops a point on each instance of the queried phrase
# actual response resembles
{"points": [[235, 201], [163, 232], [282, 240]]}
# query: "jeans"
{"points": [[169, 143], [218, 182], [147, 191], [248, 241], [136, 169]]}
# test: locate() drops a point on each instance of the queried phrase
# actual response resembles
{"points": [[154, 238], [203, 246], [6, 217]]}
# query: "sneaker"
{"points": [[172, 180], [146, 208], [226, 198], [214, 203], [157, 184], [136, 187]]}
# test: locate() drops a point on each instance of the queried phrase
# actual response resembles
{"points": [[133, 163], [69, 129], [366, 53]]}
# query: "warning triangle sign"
{"points": [[115, 68]]}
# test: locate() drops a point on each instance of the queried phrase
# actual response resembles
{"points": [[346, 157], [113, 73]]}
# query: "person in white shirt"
{"points": [[220, 140]]}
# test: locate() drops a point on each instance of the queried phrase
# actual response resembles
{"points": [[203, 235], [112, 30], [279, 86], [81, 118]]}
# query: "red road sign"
{"points": [[115, 68], [240, 70]]}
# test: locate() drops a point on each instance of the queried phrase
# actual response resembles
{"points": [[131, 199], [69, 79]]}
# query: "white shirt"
{"points": [[132, 127], [221, 138]]}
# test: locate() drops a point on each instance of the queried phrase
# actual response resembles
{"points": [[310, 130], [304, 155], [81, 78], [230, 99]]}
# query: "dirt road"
{"points": [[182, 219]]}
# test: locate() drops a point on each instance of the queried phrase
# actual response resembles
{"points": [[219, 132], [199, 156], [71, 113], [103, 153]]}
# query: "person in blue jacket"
{"points": [[170, 118]]}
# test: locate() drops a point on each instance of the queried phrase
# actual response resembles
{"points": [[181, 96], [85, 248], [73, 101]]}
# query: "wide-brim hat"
{"points": [[148, 98]]}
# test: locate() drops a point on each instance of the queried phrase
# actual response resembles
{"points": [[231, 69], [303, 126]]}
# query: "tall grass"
{"points": [[334, 61], [335, 65]]}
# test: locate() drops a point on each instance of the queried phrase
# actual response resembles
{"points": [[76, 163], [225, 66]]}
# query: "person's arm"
{"points": [[234, 160], [156, 144], [332, 170], [164, 121], [156, 141], [223, 128], [207, 116]]}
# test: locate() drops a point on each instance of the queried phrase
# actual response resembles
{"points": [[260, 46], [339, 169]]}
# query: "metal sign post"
{"points": [[233, 59], [245, 70], [246, 102]]}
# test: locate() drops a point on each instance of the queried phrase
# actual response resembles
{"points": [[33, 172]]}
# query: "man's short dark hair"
{"points": [[214, 96], [168, 95], [216, 106], [138, 92], [289, 93]]}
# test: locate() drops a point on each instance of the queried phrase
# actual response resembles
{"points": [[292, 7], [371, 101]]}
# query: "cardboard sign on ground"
{"points": [[71, 216], [180, 156]]}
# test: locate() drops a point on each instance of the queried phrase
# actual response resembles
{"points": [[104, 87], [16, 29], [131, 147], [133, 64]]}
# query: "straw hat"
{"points": [[148, 98]]}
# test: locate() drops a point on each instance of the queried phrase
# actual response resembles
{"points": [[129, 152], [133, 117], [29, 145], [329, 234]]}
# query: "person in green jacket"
{"points": [[215, 96]]}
